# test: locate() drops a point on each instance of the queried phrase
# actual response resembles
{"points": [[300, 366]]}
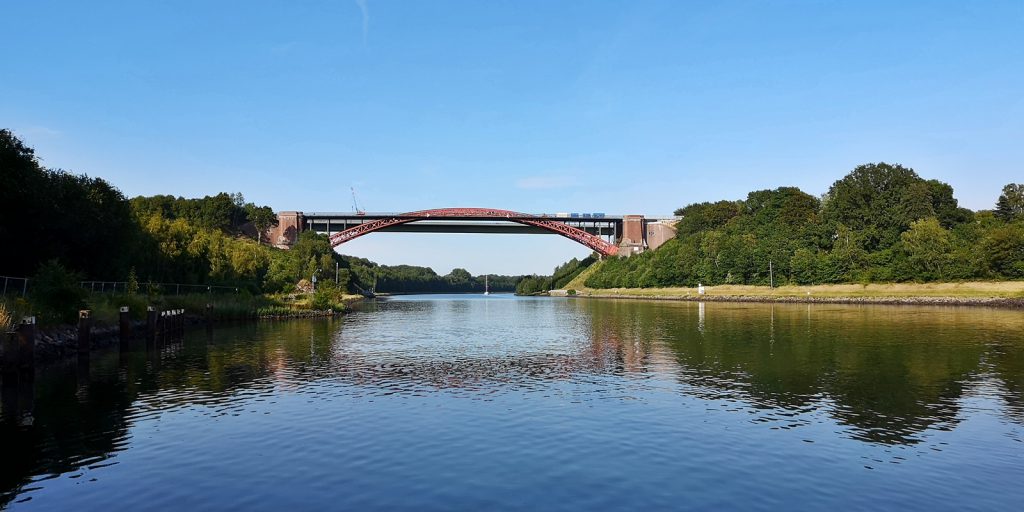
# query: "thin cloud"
{"points": [[547, 182], [364, 6], [40, 131]]}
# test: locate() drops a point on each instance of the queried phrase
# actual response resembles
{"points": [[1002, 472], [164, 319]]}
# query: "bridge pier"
{"points": [[286, 232]]}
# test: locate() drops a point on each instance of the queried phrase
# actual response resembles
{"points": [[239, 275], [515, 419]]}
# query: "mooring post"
{"points": [[84, 330], [27, 342], [10, 362], [124, 324], [209, 316], [161, 327], [150, 324], [177, 323]]}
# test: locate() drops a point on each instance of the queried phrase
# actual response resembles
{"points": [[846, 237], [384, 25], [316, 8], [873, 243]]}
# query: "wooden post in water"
{"points": [[179, 323], [10, 362], [124, 324], [26, 335], [84, 331], [161, 327], [209, 316], [150, 324]]}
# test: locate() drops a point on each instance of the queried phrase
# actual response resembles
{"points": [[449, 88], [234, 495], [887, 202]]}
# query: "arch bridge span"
{"points": [[606, 234]]}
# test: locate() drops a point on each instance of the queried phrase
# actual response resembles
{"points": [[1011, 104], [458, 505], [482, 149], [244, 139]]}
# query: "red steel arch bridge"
{"points": [[607, 235]]}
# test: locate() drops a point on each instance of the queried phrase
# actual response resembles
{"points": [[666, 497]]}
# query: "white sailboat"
{"points": [[487, 286]]}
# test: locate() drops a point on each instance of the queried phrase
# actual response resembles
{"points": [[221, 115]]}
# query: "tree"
{"points": [[1004, 251], [57, 293], [879, 201], [804, 266], [1010, 205], [946, 207], [927, 246], [262, 218], [700, 217]]}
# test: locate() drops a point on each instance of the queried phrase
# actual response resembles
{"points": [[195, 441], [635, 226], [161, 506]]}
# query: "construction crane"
{"points": [[355, 205]]}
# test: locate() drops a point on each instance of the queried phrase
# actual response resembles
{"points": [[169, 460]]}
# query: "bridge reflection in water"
{"points": [[880, 375]]}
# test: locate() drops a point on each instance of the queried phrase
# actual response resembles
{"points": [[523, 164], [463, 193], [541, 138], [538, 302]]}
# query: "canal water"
{"points": [[502, 403]]}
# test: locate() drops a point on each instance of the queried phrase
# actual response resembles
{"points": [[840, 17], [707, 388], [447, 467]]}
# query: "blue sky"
{"points": [[618, 107]]}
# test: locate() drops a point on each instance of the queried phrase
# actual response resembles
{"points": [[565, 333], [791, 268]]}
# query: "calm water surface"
{"points": [[501, 403]]}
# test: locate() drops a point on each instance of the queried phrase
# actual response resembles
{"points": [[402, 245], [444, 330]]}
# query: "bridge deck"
{"points": [[461, 226]]}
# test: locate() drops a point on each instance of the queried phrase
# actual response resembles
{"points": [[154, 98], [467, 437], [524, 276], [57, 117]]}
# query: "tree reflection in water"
{"points": [[887, 374]]}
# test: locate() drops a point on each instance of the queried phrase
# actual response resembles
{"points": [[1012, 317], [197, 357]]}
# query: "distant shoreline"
{"points": [[1008, 294], [891, 301]]}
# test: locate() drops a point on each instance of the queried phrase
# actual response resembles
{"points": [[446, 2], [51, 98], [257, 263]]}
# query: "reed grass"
{"points": [[6, 318]]}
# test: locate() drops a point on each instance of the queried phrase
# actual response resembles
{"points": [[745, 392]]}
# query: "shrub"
{"points": [[324, 300], [57, 294]]}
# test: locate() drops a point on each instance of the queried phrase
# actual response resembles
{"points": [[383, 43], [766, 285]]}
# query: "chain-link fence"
{"points": [[14, 286], [21, 286], [155, 288]]}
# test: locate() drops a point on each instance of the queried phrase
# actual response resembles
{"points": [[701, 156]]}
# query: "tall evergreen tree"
{"points": [[1010, 205]]}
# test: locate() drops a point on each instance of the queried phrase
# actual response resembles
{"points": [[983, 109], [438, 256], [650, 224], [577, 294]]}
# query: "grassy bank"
{"points": [[105, 308], [973, 292]]}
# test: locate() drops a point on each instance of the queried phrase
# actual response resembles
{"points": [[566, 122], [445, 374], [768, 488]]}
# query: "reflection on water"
{"points": [[442, 402]]}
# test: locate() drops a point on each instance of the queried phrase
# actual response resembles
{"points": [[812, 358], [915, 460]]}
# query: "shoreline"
{"points": [[1001, 294], [57, 342], [995, 302]]}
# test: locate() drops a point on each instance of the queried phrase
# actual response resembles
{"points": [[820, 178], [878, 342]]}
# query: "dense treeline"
{"points": [[93, 231], [880, 223], [226, 212], [559, 278], [50, 213], [412, 279]]}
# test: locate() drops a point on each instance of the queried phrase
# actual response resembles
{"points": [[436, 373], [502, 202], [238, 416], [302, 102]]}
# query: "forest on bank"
{"points": [[880, 223], [532, 285], [55, 220]]}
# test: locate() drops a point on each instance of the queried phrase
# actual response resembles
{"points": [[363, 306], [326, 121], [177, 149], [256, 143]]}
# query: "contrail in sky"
{"points": [[363, 6]]}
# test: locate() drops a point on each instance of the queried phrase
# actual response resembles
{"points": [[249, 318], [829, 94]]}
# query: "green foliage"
{"points": [[413, 279], [132, 285], [532, 285], [561, 276], [1004, 251], [262, 218], [706, 216], [325, 299], [82, 221], [1010, 205], [879, 201], [880, 223], [927, 246], [225, 212], [57, 293]]}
